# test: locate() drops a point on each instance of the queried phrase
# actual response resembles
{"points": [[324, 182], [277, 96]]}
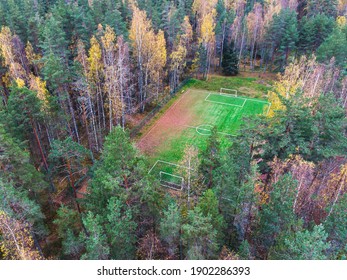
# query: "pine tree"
{"points": [[23, 116], [313, 31], [335, 226], [282, 35], [17, 167], [334, 47], [277, 216], [95, 241], [301, 132], [121, 173], [230, 63], [170, 227], [68, 159], [208, 203], [210, 158], [120, 230], [328, 7], [304, 245], [199, 236], [69, 225]]}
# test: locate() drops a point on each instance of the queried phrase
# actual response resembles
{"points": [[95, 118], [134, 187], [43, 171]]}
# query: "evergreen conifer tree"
{"points": [[230, 63]]}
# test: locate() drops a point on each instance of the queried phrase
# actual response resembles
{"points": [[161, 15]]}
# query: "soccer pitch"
{"points": [[189, 121]]}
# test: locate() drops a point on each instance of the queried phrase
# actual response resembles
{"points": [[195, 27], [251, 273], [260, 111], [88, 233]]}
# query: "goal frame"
{"points": [[235, 92], [168, 184]]}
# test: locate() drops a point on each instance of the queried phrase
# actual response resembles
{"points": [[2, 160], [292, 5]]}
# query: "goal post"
{"points": [[228, 92], [171, 180]]}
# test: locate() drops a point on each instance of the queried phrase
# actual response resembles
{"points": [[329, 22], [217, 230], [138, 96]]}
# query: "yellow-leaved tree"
{"points": [[33, 58], [109, 48], [17, 242], [39, 86], [16, 70], [208, 39], [303, 75], [150, 53], [159, 61], [341, 21], [178, 63], [95, 76]]}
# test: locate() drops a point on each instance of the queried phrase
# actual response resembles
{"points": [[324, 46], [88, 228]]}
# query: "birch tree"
{"points": [[95, 75], [150, 60], [109, 60], [207, 39], [87, 97], [124, 78], [141, 36]]}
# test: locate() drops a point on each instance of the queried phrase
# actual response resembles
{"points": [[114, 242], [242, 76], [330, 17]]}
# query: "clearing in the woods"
{"points": [[189, 121]]}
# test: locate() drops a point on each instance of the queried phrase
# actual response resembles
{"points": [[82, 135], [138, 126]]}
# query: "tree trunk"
{"points": [[242, 43], [222, 45], [72, 113], [39, 143]]}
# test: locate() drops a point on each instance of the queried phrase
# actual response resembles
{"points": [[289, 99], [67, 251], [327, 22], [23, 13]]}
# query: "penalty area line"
{"points": [[223, 103], [238, 97]]}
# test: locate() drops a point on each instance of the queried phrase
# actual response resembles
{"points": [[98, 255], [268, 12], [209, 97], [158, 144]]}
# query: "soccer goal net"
{"points": [[228, 92], [171, 181]]}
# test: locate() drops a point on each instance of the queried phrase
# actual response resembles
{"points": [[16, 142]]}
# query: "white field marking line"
{"points": [[196, 127], [171, 185], [204, 129], [217, 93], [153, 167], [240, 97], [228, 95], [172, 106], [197, 131], [174, 164], [246, 99], [169, 163], [173, 188], [223, 102], [172, 175], [228, 89]]}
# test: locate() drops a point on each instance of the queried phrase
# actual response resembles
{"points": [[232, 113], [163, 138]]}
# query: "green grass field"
{"points": [[189, 121]]}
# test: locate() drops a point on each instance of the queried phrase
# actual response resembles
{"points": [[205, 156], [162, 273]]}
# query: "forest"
{"points": [[82, 80]]}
